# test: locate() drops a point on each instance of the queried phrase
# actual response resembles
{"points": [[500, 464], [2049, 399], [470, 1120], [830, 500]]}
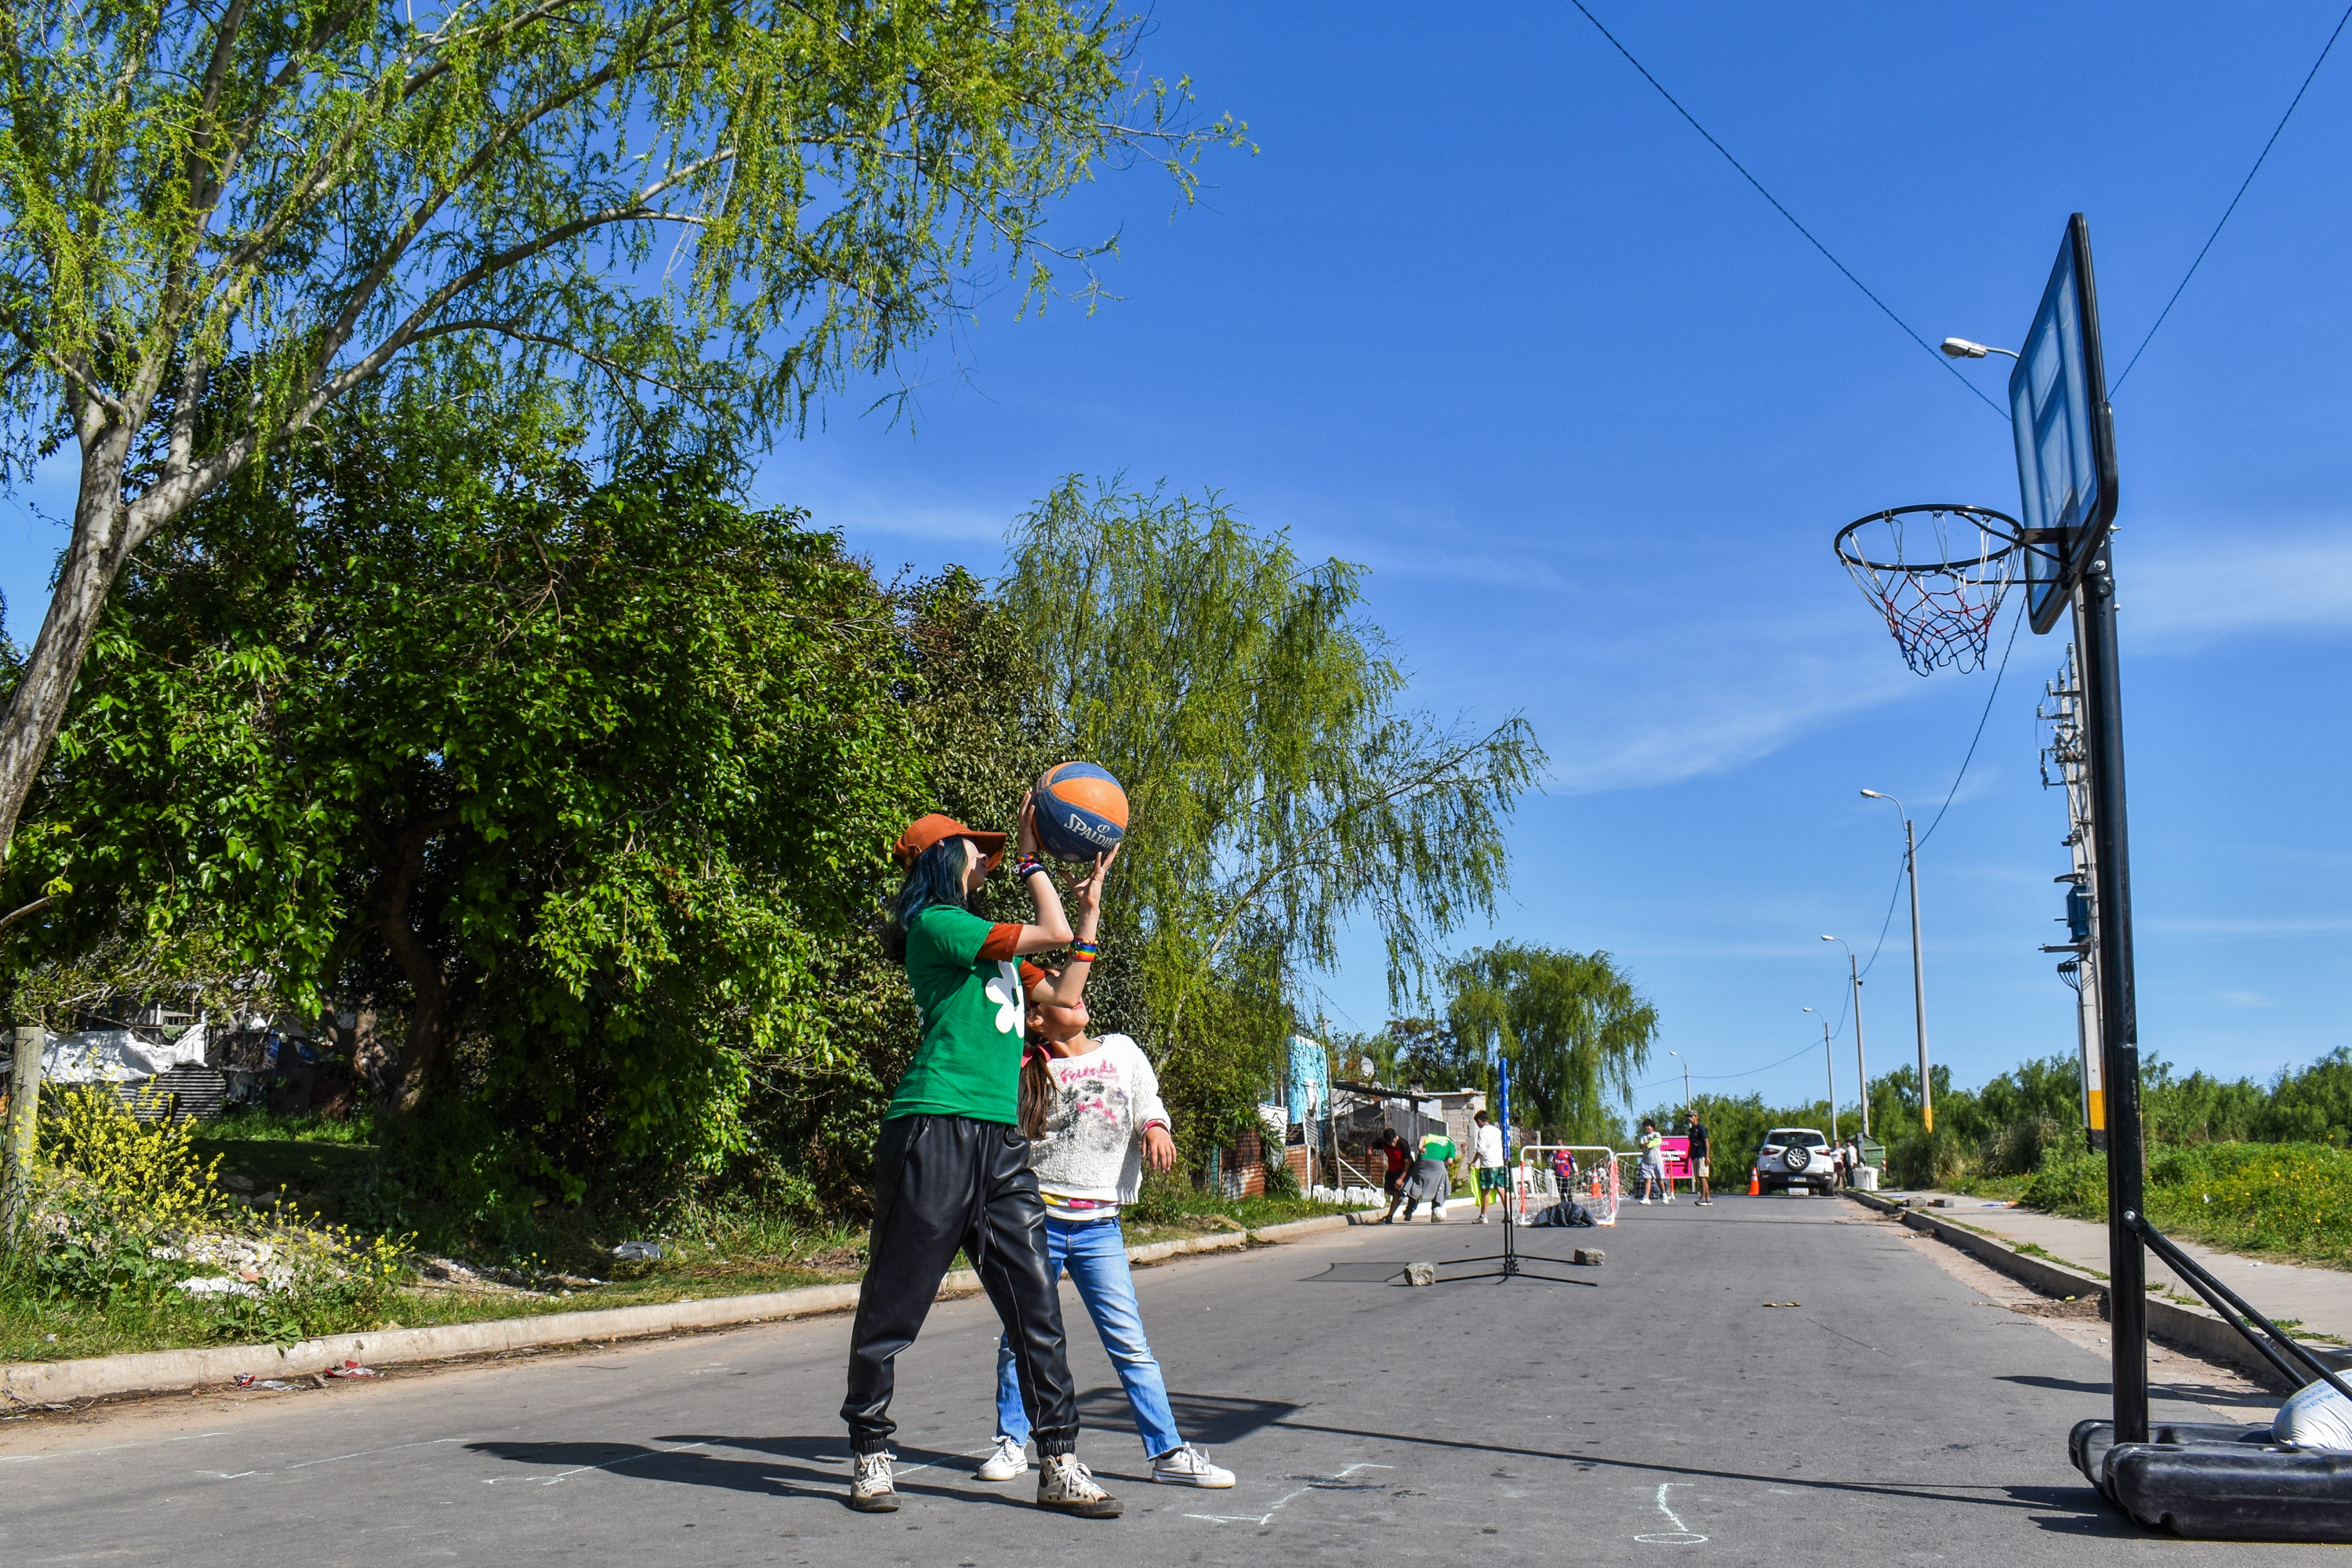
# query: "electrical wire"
{"points": [[1784, 212], [2249, 180], [1892, 899]]}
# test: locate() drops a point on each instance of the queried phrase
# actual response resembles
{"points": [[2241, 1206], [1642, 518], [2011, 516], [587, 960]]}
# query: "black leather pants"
{"points": [[943, 1183]]}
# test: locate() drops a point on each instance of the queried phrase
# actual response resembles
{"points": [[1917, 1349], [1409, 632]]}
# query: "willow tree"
{"points": [[1571, 1025], [1277, 788], [216, 219]]}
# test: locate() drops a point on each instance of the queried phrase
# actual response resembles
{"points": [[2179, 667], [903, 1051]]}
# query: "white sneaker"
{"points": [[1010, 1460], [1188, 1466], [1069, 1487], [1643, 1202], [870, 1491], [1670, 1197]]}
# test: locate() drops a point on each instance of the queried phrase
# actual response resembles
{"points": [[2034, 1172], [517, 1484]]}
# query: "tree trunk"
{"points": [[93, 559], [24, 1125], [431, 1011]]}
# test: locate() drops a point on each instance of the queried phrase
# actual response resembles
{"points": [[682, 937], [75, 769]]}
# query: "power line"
{"points": [[1785, 213], [2233, 200], [1893, 898]]}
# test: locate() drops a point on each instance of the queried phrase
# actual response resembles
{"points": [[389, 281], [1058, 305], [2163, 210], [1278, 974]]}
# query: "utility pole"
{"points": [[1918, 963], [1861, 1066], [1829, 1061]]}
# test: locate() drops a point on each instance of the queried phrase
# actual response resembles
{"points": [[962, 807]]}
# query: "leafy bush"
{"points": [[2294, 1199]]}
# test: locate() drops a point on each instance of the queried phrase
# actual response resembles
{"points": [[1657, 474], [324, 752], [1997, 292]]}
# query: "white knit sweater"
{"points": [[1092, 1146]]}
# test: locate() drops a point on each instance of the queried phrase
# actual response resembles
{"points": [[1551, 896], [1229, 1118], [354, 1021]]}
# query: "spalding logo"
{"points": [[1096, 836]]}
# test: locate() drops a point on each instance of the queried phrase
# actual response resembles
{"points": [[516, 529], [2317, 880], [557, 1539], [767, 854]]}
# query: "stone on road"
{"points": [[1886, 1411]]}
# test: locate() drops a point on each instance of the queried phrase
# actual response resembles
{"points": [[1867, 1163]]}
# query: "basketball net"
{"points": [[1937, 573]]}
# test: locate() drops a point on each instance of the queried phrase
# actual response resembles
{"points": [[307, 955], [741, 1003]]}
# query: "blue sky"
{"points": [[1484, 314]]}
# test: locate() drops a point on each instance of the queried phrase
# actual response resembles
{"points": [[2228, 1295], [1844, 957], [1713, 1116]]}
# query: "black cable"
{"points": [[1997, 674], [1785, 213], [2233, 200], [1896, 896]]}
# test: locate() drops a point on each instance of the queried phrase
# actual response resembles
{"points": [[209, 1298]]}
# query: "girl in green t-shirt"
{"points": [[952, 1166]]}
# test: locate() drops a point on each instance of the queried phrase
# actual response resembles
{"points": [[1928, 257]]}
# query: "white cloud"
{"points": [[2245, 998], [2237, 583]]}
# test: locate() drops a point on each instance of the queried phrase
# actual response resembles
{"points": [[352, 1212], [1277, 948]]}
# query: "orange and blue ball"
{"points": [[1081, 812]]}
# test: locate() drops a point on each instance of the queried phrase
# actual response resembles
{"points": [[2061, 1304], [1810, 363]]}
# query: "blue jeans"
{"points": [[1095, 1252]]}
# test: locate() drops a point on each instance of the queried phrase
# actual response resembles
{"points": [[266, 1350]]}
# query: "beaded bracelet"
{"points": [[1086, 951], [1030, 866]]}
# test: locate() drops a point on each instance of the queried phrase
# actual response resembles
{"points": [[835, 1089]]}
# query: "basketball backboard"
{"points": [[2065, 434]]}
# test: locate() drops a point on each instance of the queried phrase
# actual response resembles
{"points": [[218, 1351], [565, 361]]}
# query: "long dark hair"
{"points": [[935, 878]]}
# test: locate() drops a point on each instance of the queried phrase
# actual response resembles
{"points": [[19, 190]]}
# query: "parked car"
{"points": [[1796, 1157]]}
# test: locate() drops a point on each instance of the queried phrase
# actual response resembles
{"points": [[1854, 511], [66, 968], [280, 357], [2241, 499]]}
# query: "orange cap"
{"points": [[925, 831]]}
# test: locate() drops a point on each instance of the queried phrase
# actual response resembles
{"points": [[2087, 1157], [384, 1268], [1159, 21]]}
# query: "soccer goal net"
{"points": [[1588, 1175]]}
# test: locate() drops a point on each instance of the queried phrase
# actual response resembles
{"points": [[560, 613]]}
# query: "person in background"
{"points": [[1697, 1132], [1654, 1164], [1399, 1160], [1431, 1180], [1486, 1157]]}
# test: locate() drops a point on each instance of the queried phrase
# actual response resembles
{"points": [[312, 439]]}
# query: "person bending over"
{"points": [[951, 1167]]}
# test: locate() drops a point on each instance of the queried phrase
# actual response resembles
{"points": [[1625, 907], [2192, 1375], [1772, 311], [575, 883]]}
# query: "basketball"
{"points": [[1081, 812]]}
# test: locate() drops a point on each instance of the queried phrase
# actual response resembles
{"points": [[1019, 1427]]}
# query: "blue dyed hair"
{"points": [[935, 878]]}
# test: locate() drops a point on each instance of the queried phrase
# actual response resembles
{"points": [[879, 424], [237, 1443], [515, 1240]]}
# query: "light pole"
{"points": [[1828, 1061], [1918, 968], [1686, 1099], [1861, 1068]]}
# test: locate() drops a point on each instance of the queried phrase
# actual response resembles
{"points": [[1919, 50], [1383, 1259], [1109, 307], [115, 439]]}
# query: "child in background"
{"points": [[1654, 1163], [1399, 1160]]}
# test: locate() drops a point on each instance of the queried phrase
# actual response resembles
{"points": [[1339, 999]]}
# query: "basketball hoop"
{"points": [[1937, 573]]}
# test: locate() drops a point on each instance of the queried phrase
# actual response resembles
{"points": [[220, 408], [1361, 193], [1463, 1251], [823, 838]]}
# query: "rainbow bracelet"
{"points": [[1030, 868], [1085, 952]]}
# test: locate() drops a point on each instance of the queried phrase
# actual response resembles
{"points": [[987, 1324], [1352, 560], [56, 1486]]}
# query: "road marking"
{"points": [[623, 1459], [363, 1453], [109, 1448], [1681, 1534], [1326, 1483]]}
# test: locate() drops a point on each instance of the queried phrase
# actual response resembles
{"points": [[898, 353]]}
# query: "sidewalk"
{"points": [[2321, 1298]]}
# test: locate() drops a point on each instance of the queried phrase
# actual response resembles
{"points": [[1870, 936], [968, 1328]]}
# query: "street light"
{"points": [[1960, 347], [1919, 969], [1686, 1099], [1861, 1068], [1829, 1062]]}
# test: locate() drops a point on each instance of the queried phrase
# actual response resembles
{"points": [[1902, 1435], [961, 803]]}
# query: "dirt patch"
{"points": [[2091, 1308]]}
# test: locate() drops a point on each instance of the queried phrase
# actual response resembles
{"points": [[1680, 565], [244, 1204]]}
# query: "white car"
{"points": [[1795, 1157]]}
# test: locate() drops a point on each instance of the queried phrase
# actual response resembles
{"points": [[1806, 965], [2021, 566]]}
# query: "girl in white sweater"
{"points": [[1101, 1119]]}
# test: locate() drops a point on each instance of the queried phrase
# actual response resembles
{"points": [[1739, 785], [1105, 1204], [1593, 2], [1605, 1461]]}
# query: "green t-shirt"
{"points": [[1437, 1146], [970, 1061]]}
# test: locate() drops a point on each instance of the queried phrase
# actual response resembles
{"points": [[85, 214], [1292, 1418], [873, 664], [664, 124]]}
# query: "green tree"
{"points": [[216, 221], [1276, 788], [1571, 1025], [573, 778]]}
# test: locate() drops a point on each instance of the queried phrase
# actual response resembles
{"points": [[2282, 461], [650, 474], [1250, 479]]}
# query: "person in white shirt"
{"points": [[1487, 1155], [1101, 1119]]}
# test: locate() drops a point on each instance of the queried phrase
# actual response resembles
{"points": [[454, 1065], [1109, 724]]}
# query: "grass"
{"points": [[709, 1251], [2290, 1202]]}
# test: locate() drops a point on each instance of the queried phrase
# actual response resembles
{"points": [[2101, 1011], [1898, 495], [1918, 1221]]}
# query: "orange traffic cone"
{"points": [[1755, 1185]]}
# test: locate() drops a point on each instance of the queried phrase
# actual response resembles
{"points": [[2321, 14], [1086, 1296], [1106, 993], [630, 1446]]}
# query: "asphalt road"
{"points": [[1653, 1410]]}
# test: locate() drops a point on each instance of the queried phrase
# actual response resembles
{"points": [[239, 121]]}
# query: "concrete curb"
{"points": [[150, 1372], [2196, 1330]]}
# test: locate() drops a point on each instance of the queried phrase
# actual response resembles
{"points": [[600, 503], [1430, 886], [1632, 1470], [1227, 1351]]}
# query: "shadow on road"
{"points": [[813, 1468], [1217, 1419], [2082, 1500]]}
